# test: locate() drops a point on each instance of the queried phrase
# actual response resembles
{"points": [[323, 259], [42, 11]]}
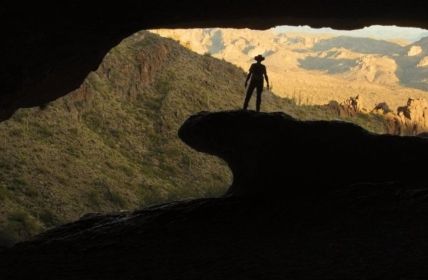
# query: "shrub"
{"points": [[18, 184], [3, 193], [48, 218], [22, 223], [44, 132], [117, 199], [94, 199]]}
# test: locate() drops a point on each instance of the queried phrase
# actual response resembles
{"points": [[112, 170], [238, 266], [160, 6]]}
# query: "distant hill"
{"points": [[413, 67], [360, 45]]}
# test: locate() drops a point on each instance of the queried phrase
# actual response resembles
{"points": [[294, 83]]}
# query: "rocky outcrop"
{"points": [[414, 51], [412, 118], [354, 105], [310, 200], [416, 111], [382, 108], [375, 69], [348, 108], [303, 152], [408, 120], [423, 62]]}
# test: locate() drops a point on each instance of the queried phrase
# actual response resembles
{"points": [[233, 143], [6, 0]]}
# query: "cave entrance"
{"points": [[112, 144]]}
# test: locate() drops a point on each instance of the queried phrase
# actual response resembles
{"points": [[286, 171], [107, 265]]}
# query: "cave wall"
{"points": [[48, 47]]}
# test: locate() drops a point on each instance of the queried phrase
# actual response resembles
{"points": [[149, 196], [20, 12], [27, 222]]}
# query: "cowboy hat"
{"points": [[259, 58]]}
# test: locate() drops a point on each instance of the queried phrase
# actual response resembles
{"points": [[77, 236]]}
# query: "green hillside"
{"points": [[112, 144]]}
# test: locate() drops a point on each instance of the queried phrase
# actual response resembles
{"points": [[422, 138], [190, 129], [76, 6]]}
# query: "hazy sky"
{"points": [[375, 31]]}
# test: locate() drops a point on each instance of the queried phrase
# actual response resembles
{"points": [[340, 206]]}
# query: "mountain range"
{"points": [[321, 67], [380, 32]]}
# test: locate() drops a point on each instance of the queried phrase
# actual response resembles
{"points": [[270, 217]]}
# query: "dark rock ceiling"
{"points": [[49, 47]]}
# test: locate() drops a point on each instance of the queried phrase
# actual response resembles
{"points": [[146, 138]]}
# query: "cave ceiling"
{"points": [[48, 47]]}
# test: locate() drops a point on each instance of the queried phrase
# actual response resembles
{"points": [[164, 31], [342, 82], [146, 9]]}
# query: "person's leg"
{"points": [[250, 90], [259, 97]]}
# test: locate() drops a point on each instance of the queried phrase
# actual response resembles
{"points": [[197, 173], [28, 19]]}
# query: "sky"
{"points": [[392, 32]]}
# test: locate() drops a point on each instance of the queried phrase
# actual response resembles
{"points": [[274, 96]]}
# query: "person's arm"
{"points": [[249, 75], [266, 77]]}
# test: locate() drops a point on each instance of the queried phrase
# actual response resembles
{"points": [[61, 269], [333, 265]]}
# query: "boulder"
{"points": [[414, 50]]}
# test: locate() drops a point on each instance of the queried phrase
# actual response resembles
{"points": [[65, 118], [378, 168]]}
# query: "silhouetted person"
{"points": [[257, 73]]}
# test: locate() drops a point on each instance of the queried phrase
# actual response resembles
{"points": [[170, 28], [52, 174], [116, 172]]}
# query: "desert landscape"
{"points": [[126, 152], [316, 68]]}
